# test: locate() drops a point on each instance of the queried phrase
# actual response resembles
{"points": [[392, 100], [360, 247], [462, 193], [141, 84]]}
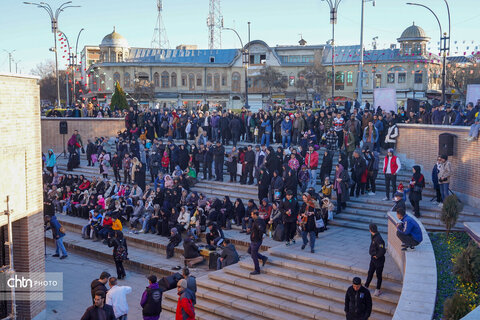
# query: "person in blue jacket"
{"points": [[57, 236], [286, 131], [51, 160], [408, 231], [266, 125]]}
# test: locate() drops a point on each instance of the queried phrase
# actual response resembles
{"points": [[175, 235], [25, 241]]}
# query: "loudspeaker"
{"points": [[446, 143], [63, 127]]}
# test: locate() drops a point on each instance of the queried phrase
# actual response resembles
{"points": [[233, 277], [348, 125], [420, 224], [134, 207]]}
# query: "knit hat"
{"points": [[390, 150], [400, 187]]}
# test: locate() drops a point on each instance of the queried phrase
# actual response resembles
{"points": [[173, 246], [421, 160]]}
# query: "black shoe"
{"points": [[254, 273], [303, 246], [312, 250], [63, 257], [243, 231], [56, 255], [264, 261]]}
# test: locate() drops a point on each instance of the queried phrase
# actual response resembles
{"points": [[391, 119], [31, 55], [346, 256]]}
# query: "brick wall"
{"points": [[87, 127], [21, 176], [420, 144]]}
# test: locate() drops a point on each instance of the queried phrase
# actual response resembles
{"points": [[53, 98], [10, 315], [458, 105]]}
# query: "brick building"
{"points": [[21, 180]]}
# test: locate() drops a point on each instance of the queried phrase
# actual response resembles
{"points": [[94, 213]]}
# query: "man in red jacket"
{"points": [[311, 161], [186, 300], [391, 166]]}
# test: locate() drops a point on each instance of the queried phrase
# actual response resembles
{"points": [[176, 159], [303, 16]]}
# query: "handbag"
{"points": [[239, 169], [330, 215], [319, 224]]}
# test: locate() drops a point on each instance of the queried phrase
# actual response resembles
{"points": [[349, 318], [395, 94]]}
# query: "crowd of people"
{"points": [[146, 177]]}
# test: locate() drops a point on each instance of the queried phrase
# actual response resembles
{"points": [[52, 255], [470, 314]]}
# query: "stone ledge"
{"points": [[473, 230], [81, 119], [473, 315], [433, 127], [419, 269]]}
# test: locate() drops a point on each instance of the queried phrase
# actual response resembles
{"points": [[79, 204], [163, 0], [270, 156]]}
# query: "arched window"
{"points": [[173, 80], [165, 77], [349, 78], [209, 79], [191, 81], [120, 57], [184, 80], [116, 78], [156, 79], [216, 82], [224, 80], [113, 57], [391, 74], [126, 80], [199, 80], [418, 77], [339, 80], [236, 82]]}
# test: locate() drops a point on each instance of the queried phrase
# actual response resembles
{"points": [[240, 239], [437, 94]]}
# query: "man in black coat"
{"points": [[224, 128], [359, 166], [377, 261], [99, 285], [249, 164], [207, 160], [99, 310], [218, 157], [256, 236], [358, 301], [289, 209], [235, 129]]}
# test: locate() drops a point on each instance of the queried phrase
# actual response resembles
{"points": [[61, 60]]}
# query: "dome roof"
{"points": [[114, 39], [414, 33]]}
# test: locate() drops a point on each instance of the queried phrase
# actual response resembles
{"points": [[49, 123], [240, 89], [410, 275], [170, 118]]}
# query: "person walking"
{"points": [[358, 301], [99, 285], [151, 302], [185, 305], [416, 186], [256, 237], [391, 166], [58, 233], [117, 298], [100, 310], [444, 174], [377, 261], [120, 252], [311, 161]]}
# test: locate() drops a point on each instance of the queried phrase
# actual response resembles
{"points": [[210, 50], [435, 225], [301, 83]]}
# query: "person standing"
{"points": [[120, 252], [286, 132], [444, 174], [359, 168], [57, 235], [308, 224], [186, 300], [256, 237], [340, 185], [99, 285], [218, 156], [358, 301], [311, 161], [289, 210], [151, 302], [377, 261], [117, 298], [99, 310], [391, 166], [51, 160], [416, 186], [249, 163], [436, 186]]}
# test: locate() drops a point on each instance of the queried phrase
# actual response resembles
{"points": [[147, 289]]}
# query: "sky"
{"points": [[26, 28]]}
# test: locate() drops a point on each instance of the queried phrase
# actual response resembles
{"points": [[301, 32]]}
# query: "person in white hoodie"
{"points": [[183, 219], [117, 298]]}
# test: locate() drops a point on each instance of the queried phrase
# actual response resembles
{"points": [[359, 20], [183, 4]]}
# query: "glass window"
{"points": [[209, 79], [236, 82], [294, 59], [339, 80], [284, 59], [174, 80], [165, 77], [126, 80], [391, 77], [224, 79], [307, 59], [184, 80], [156, 79], [378, 81], [116, 78], [418, 76], [216, 82], [263, 57], [252, 59], [199, 80], [349, 78], [402, 77], [191, 81]]}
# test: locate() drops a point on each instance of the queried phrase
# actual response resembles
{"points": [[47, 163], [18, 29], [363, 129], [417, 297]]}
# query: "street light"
{"points": [[54, 21], [10, 59], [360, 66], [245, 63], [443, 43], [72, 56], [333, 4]]}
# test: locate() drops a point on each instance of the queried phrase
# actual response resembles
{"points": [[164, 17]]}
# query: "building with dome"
{"points": [[187, 77]]}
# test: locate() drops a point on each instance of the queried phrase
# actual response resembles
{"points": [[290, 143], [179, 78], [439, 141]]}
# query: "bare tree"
{"points": [[48, 81], [459, 76], [313, 78], [272, 79]]}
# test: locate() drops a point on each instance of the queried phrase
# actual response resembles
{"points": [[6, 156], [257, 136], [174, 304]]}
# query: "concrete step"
{"points": [[294, 289], [170, 305], [356, 225]]}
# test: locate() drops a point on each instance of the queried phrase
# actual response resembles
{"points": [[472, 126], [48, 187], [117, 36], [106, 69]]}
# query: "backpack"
{"points": [[278, 234], [164, 125], [121, 252]]}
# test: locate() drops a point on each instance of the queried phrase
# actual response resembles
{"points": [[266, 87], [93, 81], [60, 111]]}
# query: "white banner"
{"points": [[473, 93], [386, 98]]}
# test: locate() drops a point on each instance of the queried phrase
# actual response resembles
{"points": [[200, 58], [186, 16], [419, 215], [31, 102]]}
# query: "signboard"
{"points": [[473, 93], [386, 98]]}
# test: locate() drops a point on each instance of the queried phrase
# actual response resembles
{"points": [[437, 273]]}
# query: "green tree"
{"points": [[450, 212], [467, 264], [455, 307], [119, 99]]}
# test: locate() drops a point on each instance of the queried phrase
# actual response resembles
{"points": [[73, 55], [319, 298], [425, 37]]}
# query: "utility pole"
{"points": [[360, 65], [10, 59], [11, 269], [160, 40]]}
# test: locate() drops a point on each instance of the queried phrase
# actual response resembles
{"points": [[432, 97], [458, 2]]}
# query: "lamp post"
{"points": [[10, 59], [54, 21], [360, 65], [245, 63], [333, 4], [72, 56], [75, 65], [443, 43]]}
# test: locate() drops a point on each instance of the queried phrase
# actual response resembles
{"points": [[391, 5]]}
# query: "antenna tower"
{"points": [[215, 25], [160, 39]]}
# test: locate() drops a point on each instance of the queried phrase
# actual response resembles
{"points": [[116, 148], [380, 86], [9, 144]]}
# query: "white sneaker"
{"points": [[470, 139], [386, 199], [141, 231], [371, 193], [440, 205], [377, 292]]}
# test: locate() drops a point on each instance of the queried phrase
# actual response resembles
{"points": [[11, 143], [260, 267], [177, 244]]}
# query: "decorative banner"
{"points": [[386, 98]]}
